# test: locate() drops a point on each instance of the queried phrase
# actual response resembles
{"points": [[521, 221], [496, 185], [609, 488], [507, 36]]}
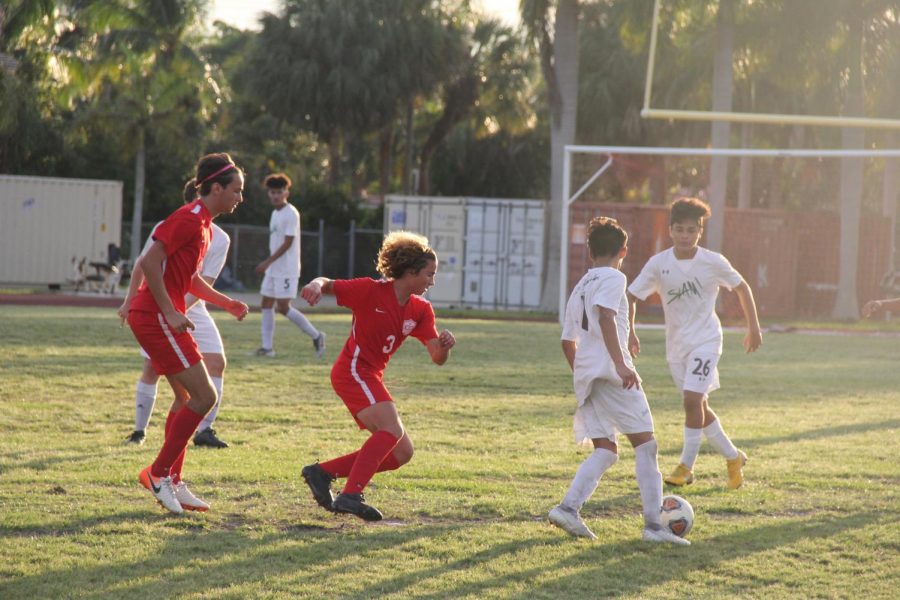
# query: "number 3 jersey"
{"points": [[380, 324], [688, 290], [600, 287]]}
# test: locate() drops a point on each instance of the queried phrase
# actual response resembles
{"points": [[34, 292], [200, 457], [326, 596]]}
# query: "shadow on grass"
{"points": [[816, 434], [629, 568]]}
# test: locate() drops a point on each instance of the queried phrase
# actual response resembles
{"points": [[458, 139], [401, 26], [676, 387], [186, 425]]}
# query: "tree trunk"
{"points": [[410, 153], [745, 186], [846, 305], [334, 158], [889, 190], [385, 144], [721, 130], [140, 174], [562, 88]]}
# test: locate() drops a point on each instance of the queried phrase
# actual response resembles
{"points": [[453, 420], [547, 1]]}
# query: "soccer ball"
{"points": [[677, 515]]}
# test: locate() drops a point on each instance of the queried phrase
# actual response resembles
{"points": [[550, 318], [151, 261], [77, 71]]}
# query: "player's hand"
{"points": [[446, 339], [261, 267], [123, 311], [630, 378], [753, 340], [178, 322], [634, 344], [238, 309], [312, 292], [871, 308]]}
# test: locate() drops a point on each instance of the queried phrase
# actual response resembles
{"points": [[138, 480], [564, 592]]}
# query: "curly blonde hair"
{"points": [[401, 251]]}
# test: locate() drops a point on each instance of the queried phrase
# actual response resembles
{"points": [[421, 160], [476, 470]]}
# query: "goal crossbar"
{"points": [[648, 112], [610, 151]]}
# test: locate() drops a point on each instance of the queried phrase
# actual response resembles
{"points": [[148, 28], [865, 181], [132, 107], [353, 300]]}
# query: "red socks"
{"points": [[341, 466], [178, 434], [369, 458]]}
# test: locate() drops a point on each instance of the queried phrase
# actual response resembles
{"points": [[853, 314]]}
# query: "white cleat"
{"points": [[188, 500], [663, 536], [570, 522], [319, 344], [163, 489]]}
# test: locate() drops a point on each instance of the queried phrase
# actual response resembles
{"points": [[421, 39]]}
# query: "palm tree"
{"points": [[140, 75], [556, 38]]}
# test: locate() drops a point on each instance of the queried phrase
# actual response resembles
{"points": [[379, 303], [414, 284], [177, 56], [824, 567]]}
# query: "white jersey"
{"points": [[688, 290], [285, 222], [600, 287], [213, 262]]}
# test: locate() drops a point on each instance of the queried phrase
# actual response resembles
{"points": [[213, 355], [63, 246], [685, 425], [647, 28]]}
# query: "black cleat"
{"points": [[137, 437], [319, 482], [355, 504], [208, 438]]}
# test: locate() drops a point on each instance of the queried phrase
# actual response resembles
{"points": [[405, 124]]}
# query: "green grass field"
{"points": [[818, 517]]}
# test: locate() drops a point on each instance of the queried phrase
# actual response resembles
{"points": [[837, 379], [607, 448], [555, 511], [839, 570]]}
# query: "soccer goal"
{"points": [[782, 234]]}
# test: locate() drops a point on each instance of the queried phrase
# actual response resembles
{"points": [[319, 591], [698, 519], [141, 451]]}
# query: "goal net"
{"points": [[782, 225]]}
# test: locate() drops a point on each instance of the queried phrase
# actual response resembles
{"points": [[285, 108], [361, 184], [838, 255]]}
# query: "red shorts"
{"points": [[358, 389], [170, 352]]}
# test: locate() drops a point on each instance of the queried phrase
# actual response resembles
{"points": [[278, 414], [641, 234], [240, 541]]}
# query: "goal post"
{"points": [[609, 154]]}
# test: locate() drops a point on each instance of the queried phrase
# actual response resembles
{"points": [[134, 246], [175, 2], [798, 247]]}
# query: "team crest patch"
{"points": [[408, 326]]}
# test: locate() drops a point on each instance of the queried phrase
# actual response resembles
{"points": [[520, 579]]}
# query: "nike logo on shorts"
{"points": [[378, 310]]}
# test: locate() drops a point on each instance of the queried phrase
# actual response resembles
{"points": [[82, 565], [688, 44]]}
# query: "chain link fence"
{"points": [[330, 251]]}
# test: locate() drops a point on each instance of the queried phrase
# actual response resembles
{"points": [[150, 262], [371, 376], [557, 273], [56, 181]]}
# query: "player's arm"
{"points": [[312, 292], [439, 347], [753, 339], [873, 306], [190, 299], [611, 340], [288, 240], [153, 273], [137, 278], [634, 344], [204, 291], [568, 348]]}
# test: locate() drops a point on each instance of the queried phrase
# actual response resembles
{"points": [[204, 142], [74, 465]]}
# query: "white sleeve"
{"points": [[646, 283], [610, 292], [725, 274], [291, 222], [571, 328], [215, 258], [150, 240]]}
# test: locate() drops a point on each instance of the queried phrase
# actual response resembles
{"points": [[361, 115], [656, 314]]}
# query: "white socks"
{"points": [[268, 327], [587, 477], [692, 440], [144, 399], [210, 417], [649, 482], [298, 319], [719, 440]]}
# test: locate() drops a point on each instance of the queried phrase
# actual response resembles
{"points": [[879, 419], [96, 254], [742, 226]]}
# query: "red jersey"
{"points": [[186, 234], [380, 324]]}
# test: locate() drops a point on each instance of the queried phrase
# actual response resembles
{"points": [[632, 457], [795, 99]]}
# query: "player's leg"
{"points": [[383, 420], [649, 479], [206, 435], [590, 422], [267, 312], [734, 459], [144, 400], [283, 306]]}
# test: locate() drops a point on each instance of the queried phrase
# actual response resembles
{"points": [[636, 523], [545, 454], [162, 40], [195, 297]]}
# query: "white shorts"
{"points": [[698, 372], [279, 287], [610, 410], [205, 331]]}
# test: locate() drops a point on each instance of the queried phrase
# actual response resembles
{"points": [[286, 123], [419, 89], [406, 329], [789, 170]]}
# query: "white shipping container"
{"points": [[490, 250], [441, 220], [46, 222], [503, 262]]}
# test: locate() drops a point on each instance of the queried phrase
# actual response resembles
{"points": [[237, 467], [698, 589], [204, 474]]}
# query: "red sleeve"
{"points": [[353, 293], [426, 330], [176, 231]]}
